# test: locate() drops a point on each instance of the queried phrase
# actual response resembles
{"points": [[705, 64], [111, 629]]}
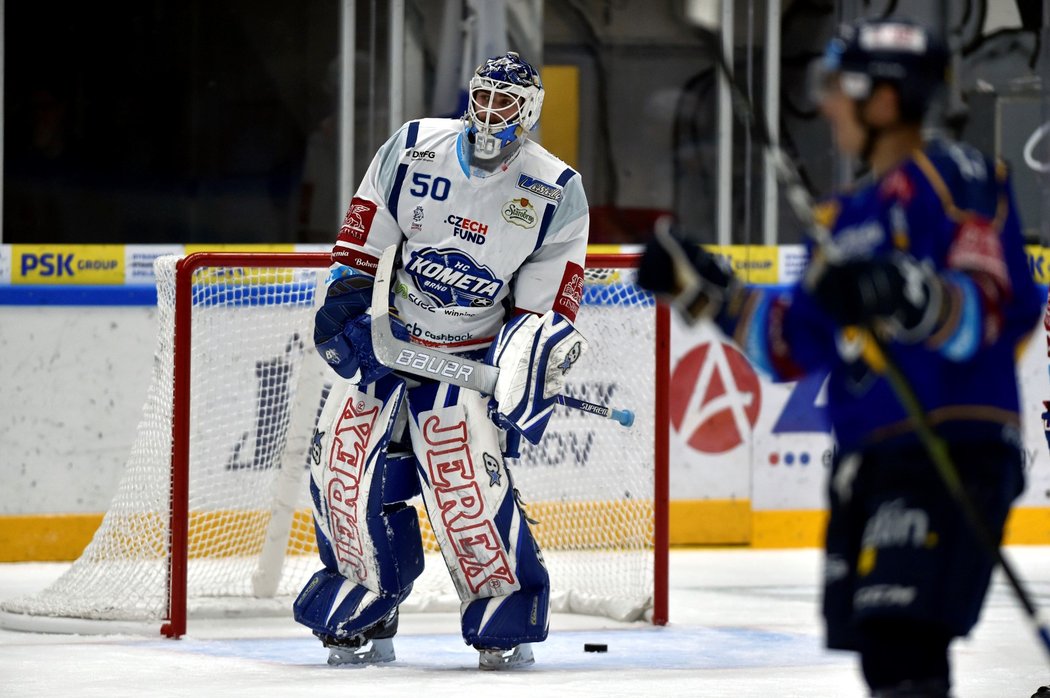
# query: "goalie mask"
{"points": [[505, 98]]}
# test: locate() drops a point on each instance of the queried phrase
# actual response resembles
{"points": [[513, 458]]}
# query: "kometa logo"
{"points": [[719, 412]]}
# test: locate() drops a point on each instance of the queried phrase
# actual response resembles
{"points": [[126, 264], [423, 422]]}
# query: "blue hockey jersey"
{"points": [[948, 206]]}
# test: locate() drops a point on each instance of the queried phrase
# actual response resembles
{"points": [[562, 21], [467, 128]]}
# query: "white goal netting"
{"points": [[253, 395]]}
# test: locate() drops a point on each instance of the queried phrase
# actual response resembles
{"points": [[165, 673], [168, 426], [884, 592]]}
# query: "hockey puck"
{"points": [[595, 647]]}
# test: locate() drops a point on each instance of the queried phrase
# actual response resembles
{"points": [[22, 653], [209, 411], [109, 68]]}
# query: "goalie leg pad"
{"points": [[368, 537], [479, 525]]}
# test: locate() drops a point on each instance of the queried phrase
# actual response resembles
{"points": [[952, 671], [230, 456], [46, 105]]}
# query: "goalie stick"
{"points": [[419, 360], [801, 202]]}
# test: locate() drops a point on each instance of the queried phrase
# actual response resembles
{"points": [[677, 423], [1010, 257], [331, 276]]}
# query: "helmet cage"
{"points": [[515, 80], [486, 119]]}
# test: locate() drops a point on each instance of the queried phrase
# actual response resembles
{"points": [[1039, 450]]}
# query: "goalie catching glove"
{"points": [[533, 354], [343, 328]]}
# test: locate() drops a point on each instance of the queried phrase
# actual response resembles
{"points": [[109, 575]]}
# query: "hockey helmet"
{"points": [[507, 80], [895, 51]]}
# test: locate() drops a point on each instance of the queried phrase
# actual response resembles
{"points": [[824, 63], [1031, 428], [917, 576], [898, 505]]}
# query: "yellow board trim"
{"points": [[710, 522], [63, 537], [45, 537]]}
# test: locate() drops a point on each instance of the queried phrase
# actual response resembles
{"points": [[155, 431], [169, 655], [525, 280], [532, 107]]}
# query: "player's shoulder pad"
{"points": [[950, 158], [961, 175]]}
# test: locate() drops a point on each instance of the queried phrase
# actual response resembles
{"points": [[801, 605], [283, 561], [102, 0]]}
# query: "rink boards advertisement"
{"points": [[748, 458]]}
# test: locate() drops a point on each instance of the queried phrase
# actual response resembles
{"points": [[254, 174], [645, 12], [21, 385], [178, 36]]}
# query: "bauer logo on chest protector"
{"points": [[539, 187], [520, 212], [452, 278]]}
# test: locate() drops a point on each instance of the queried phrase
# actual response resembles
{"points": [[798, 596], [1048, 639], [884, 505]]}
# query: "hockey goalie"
{"points": [[493, 235]]}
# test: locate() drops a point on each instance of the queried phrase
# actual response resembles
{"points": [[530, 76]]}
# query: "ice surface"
{"points": [[743, 623]]}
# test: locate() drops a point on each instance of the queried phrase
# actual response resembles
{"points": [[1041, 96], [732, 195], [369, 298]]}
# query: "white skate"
{"points": [[375, 651], [490, 659]]}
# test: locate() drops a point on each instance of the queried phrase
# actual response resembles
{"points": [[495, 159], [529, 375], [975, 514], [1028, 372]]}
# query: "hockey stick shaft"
{"points": [[624, 417], [428, 362], [801, 202]]}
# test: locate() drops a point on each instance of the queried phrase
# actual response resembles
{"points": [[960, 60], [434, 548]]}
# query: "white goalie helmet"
{"points": [[505, 98]]}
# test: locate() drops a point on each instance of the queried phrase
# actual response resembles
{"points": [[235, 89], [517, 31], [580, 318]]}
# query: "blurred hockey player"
{"points": [[928, 253], [492, 231]]}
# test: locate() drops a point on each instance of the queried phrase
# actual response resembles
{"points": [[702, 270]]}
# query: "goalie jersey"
{"points": [[475, 246]]}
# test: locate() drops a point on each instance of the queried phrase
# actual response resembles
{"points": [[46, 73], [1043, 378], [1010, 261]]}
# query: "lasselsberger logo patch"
{"points": [[520, 212], [539, 187]]}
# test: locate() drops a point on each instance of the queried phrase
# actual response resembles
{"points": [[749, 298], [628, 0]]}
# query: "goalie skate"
{"points": [[374, 651], [498, 660], [374, 646]]}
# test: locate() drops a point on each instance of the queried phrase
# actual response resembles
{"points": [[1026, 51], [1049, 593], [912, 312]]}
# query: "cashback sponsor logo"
{"points": [[427, 335], [451, 278], [67, 264]]}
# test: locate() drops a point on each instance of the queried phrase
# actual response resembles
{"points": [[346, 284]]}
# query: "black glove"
{"points": [[894, 290], [697, 282]]}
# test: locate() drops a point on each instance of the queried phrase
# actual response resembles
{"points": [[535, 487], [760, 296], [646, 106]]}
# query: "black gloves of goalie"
{"points": [[894, 291]]}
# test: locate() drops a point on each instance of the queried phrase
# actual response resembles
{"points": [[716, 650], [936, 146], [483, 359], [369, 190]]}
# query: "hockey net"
{"points": [[212, 516]]}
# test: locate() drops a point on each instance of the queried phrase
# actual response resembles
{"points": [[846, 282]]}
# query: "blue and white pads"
{"points": [[367, 535], [483, 533], [534, 354]]}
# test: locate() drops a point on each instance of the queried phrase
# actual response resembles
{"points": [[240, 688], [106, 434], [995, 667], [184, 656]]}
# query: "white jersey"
{"points": [[474, 248]]}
